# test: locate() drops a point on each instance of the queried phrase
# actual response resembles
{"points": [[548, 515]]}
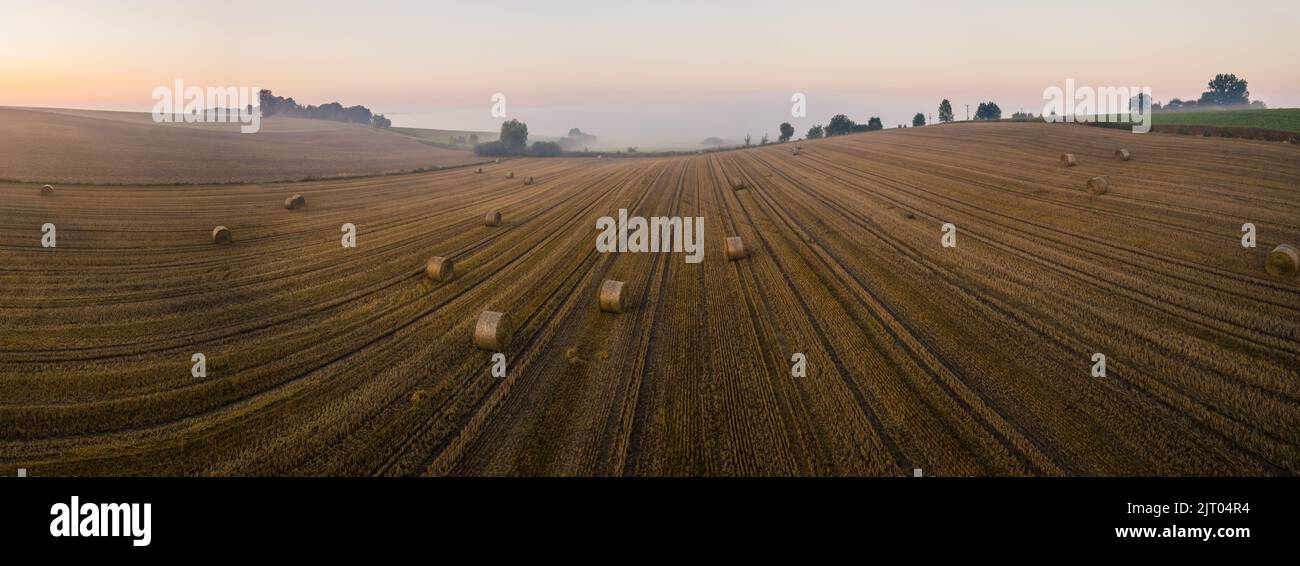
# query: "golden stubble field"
{"points": [[98, 147], [972, 360]]}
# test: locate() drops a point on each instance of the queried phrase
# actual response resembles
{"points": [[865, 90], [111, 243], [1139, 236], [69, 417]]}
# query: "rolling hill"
{"points": [[96, 147]]}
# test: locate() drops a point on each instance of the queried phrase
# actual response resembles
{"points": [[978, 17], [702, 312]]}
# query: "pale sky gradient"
{"points": [[645, 72]]}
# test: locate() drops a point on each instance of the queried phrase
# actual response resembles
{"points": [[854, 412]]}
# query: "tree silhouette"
{"points": [[945, 111], [839, 125], [787, 132], [514, 135], [988, 111], [1226, 90]]}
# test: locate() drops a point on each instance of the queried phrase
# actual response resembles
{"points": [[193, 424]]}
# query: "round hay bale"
{"points": [[493, 218], [221, 235], [1283, 261], [739, 184], [510, 175], [47, 190], [496, 161], [1123, 155], [599, 156], [295, 202], [1098, 185], [611, 296], [528, 181], [1067, 159], [796, 151], [492, 331], [440, 268], [735, 249], [479, 170]]}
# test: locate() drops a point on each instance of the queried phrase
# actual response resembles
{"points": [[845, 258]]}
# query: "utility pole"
{"points": [[967, 112]]}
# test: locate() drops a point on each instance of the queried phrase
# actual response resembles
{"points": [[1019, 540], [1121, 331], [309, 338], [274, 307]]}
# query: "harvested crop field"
{"points": [[973, 360], [97, 147]]}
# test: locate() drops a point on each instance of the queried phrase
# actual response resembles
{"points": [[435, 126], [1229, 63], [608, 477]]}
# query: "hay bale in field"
{"points": [[796, 151], [295, 201], [440, 268], [1098, 185], [571, 356], [221, 235], [492, 331], [479, 170], [611, 296], [599, 156], [528, 181], [510, 175], [47, 190], [735, 249], [496, 161], [1283, 261], [1123, 155], [1067, 159], [493, 218], [739, 184]]}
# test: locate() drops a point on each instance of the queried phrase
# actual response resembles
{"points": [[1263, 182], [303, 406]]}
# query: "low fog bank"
{"points": [[683, 123]]}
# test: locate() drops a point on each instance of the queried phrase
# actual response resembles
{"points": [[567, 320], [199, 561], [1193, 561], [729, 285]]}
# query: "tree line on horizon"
{"points": [[514, 141], [1223, 91], [272, 105]]}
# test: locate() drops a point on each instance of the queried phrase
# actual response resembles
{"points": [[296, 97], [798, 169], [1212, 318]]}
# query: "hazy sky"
{"points": [[641, 71]]}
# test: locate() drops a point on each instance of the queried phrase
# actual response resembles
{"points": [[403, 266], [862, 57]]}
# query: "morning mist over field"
{"points": [[670, 73]]}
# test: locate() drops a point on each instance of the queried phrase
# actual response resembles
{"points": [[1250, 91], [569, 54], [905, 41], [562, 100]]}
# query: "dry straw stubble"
{"points": [[1080, 263]]}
